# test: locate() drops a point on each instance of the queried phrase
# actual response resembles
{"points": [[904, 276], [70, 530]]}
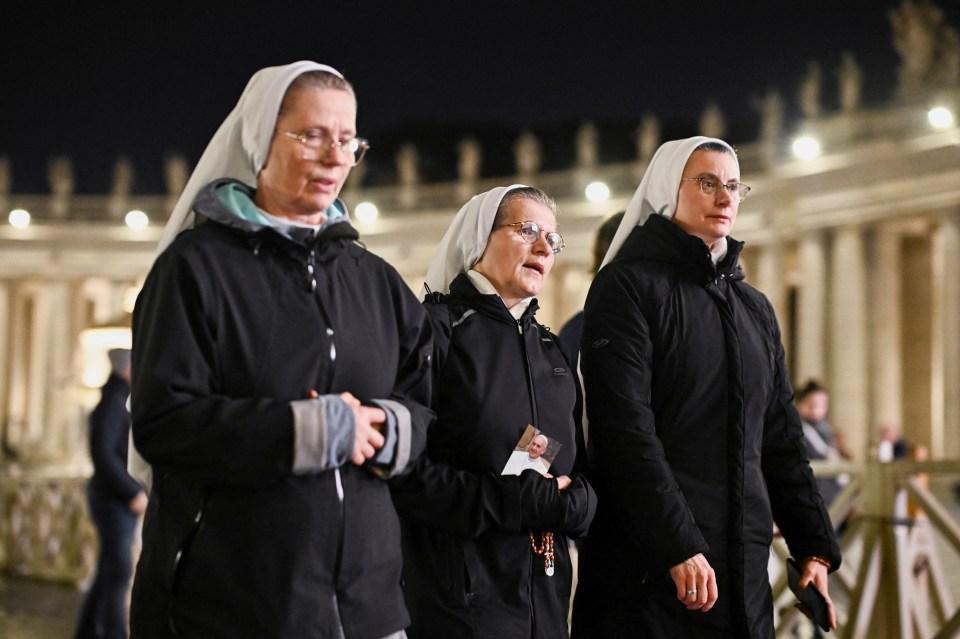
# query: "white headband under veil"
{"points": [[659, 189], [239, 147], [465, 240]]}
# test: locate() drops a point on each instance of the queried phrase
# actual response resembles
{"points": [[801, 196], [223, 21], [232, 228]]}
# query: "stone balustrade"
{"points": [[45, 530]]}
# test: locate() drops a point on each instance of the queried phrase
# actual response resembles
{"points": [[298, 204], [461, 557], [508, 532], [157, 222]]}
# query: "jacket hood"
{"points": [[661, 240], [211, 206]]}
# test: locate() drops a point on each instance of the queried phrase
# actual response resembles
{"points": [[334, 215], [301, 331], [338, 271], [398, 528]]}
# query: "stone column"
{"points": [[470, 159], [58, 396], [812, 309], [849, 368], [27, 371], [527, 157], [407, 160], [5, 364], [945, 422], [769, 280], [886, 328]]}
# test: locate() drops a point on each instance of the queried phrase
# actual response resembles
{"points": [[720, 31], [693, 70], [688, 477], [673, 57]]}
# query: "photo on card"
{"points": [[534, 450]]}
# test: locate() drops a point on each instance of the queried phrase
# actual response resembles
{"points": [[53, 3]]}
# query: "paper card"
{"points": [[534, 450]]}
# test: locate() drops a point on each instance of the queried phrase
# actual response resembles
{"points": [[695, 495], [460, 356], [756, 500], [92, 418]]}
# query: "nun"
{"points": [[486, 553], [280, 377], [696, 448]]}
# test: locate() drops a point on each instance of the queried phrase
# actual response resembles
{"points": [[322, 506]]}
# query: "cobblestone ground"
{"points": [[37, 610]]}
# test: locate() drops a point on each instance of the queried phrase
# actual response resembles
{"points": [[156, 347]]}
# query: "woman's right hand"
{"points": [[696, 583], [368, 422], [138, 505]]}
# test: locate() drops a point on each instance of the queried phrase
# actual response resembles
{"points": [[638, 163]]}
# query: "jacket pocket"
{"points": [[183, 560], [455, 576]]}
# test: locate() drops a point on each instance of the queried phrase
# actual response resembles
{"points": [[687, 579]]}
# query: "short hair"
{"points": [[716, 147], [523, 193], [812, 386], [604, 238], [316, 80]]}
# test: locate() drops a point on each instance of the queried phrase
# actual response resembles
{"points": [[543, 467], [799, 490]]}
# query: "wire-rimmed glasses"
{"points": [[317, 143], [530, 232], [709, 186]]}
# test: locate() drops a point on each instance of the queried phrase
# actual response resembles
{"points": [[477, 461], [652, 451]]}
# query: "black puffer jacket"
{"points": [[233, 324], [469, 570], [695, 445]]}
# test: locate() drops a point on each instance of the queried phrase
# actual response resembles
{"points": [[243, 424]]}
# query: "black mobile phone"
{"points": [[808, 596]]}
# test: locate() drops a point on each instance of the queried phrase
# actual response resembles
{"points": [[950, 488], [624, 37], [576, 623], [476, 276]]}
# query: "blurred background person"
{"points": [[823, 443], [116, 502], [890, 444]]}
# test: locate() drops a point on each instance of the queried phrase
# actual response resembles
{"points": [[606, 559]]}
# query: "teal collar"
{"points": [[238, 199]]}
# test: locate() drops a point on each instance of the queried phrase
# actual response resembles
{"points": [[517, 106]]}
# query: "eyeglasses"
{"points": [[317, 143], [709, 186], [530, 232]]}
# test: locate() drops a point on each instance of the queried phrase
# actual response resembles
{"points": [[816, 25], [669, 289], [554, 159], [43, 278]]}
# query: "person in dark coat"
{"points": [[695, 445], [823, 443], [281, 374], [486, 554], [116, 502]]}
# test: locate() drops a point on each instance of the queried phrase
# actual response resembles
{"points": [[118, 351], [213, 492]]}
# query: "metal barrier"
{"points": [[892, 583]]}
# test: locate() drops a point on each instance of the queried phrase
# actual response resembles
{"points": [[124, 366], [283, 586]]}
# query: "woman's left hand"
{"points": [[563, 482], [815, 573]]}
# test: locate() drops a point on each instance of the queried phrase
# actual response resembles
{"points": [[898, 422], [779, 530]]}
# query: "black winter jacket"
{"points": [[469, 570], [233, 324], [695, 444]]}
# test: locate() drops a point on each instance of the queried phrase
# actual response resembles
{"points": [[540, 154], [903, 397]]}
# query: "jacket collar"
{"points": [[463, 290], [211, 206], [661, 240]]}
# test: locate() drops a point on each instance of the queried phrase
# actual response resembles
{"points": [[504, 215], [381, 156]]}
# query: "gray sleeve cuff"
{"points": [[401, 456], [323, 433]]}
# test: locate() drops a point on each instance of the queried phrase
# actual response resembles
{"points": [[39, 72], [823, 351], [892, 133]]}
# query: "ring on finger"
{"points": [[692, 592]]}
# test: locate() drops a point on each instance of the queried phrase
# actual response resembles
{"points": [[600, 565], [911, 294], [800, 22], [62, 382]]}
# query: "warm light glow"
{"points": [[597, 192], [137, 220], [366, 212], [19, 218], [806, 147], [940, 118], [94, 344], [130, 299]]}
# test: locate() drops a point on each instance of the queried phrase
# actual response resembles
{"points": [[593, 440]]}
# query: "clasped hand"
{"points": [[368, 422]]}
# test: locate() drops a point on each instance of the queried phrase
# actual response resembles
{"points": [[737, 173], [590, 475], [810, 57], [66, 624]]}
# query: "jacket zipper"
{"points": [[530, 385], [312, 280]]}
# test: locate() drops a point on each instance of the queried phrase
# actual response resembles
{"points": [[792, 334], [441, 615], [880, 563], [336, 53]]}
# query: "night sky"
{"points": [[96, 80]]}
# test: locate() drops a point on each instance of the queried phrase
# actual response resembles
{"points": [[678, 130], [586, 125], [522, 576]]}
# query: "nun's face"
{"points": [[292, 187], [516, 268], [709, 217]]}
